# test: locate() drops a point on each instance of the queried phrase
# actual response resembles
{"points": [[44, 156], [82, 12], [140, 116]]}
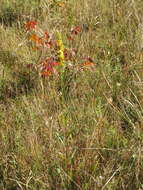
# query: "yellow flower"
{"points": [[61, 48]]}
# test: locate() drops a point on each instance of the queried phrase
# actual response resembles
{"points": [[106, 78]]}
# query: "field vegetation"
{"points": [[71, 95]]}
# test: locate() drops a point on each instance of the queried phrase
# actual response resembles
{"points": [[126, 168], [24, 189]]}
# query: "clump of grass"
{"points": [[13, 13]]}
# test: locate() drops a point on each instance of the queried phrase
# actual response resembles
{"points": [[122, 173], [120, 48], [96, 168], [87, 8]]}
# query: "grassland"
{"points": [[85, 133]]}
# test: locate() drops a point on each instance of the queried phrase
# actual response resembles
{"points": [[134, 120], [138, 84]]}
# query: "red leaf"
{"points": [[69, 37], [48, 44], [76, 30], [87, 64], [46, 73], [47, 67], [46, 35], [55, 63], [35, 39], [30, 25]]}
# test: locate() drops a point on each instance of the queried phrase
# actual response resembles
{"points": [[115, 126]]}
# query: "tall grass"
{"points": [[86, 132]]}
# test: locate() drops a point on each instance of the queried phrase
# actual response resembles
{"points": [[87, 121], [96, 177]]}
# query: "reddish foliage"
{"points": [[76, 30], [30, 25], [47, 67], [87, 64], [46, 35], [36, 39], [70, 53], [48, 44], [69, 37]]}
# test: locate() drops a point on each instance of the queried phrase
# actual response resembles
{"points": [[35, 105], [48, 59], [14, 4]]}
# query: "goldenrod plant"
{"points": [[60, 49]]}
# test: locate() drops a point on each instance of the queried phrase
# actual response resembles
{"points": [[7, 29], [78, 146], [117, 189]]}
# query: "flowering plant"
{"points": [[43, 41]]}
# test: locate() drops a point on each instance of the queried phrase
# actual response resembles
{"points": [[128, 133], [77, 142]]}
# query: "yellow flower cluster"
{"points": [[61, 48]]}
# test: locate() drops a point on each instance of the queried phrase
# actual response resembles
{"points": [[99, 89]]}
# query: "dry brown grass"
{"points": [[86, 133]]}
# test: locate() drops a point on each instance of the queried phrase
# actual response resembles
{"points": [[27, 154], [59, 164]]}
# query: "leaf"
{"points": [[48, 44], [46, 73], [47, 67], [30, 25], [76, 30], [46, 35], [88, 64], [35, 39]]}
